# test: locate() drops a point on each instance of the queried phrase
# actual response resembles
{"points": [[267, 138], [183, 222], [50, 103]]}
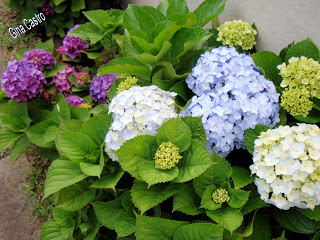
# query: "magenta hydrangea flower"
{"points": [[74, 100], [47, 9], [40, 57], [72, 45], [61, 79], [99, 87], [82, 78], [22, 80]]}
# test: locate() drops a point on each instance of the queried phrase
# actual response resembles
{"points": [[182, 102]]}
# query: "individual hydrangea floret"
{"points": [[220, 196], [74, 100], [301, 80], [82, 77], [237, 34], [167, 156], [138, 111], [61, 80], [233, 96], [72, 46], [99, 87], [286, 161], [22, 80], [40, 57], [127, 83]]}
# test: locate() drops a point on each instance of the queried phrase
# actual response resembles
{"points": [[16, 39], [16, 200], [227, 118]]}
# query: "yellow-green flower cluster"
{"points": [[301, 80], [127, 83], [237, 34], [167, 156], [220, 196], [85, 105]]}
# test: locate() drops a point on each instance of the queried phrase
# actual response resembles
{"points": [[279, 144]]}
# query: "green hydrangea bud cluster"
{"points": [[237, 34], [127, 83], [220, 196], [167, 156], [85, 105], [301, 80]]}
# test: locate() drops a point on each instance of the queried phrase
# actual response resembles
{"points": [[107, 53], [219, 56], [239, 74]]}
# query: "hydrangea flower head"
{"points": [[233, 96], [167, 156], [40, 57], [82, 78], [127, 83], [73, 45], [237, 34], [74, 100], [47, 9], [220, 196], [22, 80], [62, 79], [286, 161], [301, 80], [99, 87], [138, 111]]}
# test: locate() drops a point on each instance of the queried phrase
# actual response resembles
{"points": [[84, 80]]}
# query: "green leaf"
{"points": [[82, 114], [97, 128], [7, 138], [252, 134], [15, 124], [58, 67], [77, 5], [207, 201], [284, 51], [316, 236], [145, 198], [295, 221], [313, 117], [152, 175], [196, 127], [182, 89], [135, 152], [156, 228], [261, 227], [100, 18], [50, 134], [187, 201], [196, 160], [70, 126], [76, 196], [58, 2], [48, 153], [20, 54], [209, 10], [47, 45], [63, 217], [61, 174], [229, 218], [21, 146], [282, 116], [304, 48], [88, 32], [313, 214], [204, 231], [237, 197], [170, 7], [51, 230], [241, 177], [112, 215], [175, 131], [61, 112], [108, 181], [268, 61], [254, 201], [128, 66], [282, 237], [75, 145], [90, 169]]}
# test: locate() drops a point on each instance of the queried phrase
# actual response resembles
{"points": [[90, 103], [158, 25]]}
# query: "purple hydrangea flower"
{"points": [[82, 78], [61, 79], [72, 45], [22, 80], [40, 57], [99, 87], [74, 100], [47, 9]]}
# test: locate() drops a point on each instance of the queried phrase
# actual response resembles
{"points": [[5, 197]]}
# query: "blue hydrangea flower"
{"points": [[232, 96], [99, 87]]}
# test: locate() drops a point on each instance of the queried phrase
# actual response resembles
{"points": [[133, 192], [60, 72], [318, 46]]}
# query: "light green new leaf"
{"points": [[145, 198], [61, 174], [196, 160], [156, 228], [237, 197], [203, 231], [209, 10], [51, 230], [207, 201], [61, 112], [78, 5], [170, 7], [59, 66], [135, 152], [175, 131], [88, 32], [98, 17], [304, 48], [108, 181], [47, 45], [228, 217], [187, 201], [37, 133], [70, 126], [241, 177], [21, 146], [7, 138], [252, 134], [63, 217], [90, 169]]}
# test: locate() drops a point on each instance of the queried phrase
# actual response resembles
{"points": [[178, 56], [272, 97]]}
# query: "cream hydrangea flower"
{"points": [[287, 166], [237, 34], [138, 111]]}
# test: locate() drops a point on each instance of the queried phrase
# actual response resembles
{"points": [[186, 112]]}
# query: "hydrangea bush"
{"points": [[157, 130]]}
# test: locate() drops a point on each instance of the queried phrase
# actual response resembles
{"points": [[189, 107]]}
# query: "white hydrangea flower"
{"points": [[286, 161], [138, 111]]}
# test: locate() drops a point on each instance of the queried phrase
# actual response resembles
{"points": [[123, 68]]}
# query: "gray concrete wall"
{"points": [[279, 22]]}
